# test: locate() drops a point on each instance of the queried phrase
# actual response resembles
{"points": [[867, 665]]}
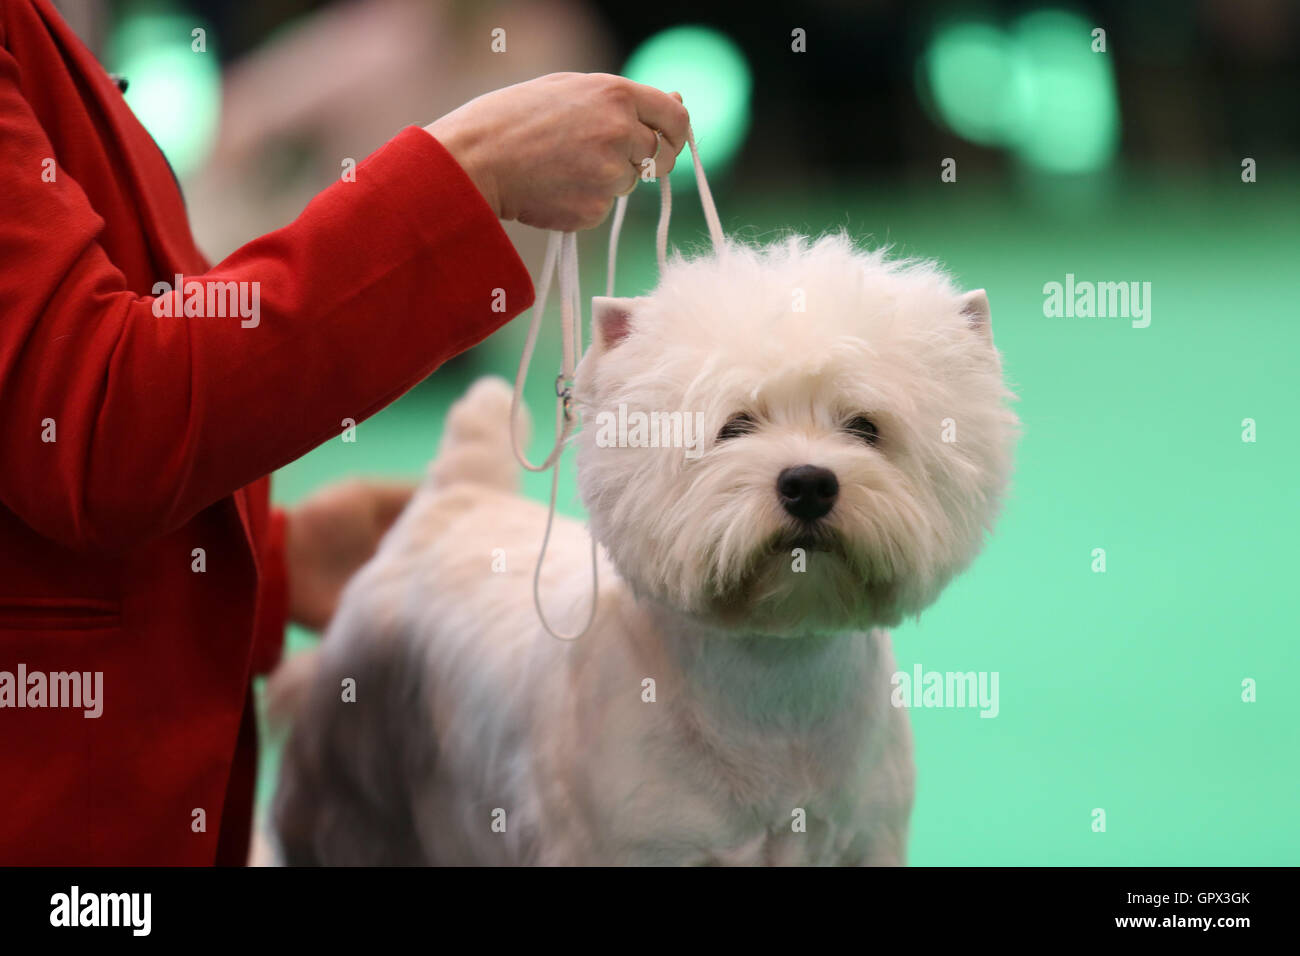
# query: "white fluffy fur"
{"points": [[771, 685]]}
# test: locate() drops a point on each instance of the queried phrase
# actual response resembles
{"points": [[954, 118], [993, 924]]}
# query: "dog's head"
{"points": [[792, 439]]}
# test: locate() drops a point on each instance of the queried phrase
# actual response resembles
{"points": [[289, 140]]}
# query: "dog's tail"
{"points": [[476, 441]]}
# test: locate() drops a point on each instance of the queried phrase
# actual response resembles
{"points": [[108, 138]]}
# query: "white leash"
{"points": [[562, 257]]}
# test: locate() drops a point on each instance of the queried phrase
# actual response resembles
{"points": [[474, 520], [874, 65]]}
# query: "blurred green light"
{"points": [[972, 72], [1071, 111], [173, 90], [710, 72], [1037, 89]]}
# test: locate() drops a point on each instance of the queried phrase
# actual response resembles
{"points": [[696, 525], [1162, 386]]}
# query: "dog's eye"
{"points": [[741, 424], [864, 428]]}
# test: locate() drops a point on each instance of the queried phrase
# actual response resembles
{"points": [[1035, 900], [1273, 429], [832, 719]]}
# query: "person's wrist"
{"points": [[468, 152]]}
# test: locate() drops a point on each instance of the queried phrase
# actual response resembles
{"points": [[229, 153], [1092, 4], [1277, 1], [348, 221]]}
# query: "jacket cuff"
{"points": [[452, 218]]}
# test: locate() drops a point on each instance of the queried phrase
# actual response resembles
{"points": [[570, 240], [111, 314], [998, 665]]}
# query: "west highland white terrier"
{"points": [[731, 702]]}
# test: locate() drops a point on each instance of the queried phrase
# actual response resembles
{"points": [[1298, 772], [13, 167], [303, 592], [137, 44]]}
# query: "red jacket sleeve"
{"points": [[272, 596], [377, 283]]}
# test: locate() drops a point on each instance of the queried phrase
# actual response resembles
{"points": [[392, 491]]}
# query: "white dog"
{"points": [[731, 702]]}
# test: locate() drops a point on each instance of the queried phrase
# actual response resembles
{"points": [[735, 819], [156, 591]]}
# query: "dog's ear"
{"points": [[611, 321], [975, 307]]}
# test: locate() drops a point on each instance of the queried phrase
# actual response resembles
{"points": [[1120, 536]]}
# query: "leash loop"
{"points": [[562, 261]]}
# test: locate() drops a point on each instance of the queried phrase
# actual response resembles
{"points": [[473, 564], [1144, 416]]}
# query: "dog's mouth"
{"points": [[808, 538], [800, 579], [805, 577], [785, 545]]}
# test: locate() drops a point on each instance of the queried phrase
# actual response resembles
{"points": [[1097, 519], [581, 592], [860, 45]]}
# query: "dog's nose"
{"points": [[808, 491]]}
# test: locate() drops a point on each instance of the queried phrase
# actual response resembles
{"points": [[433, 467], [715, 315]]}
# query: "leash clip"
{"points": [[564, 391]]}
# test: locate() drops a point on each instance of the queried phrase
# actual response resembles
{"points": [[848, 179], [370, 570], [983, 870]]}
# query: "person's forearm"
{"points": [[377, 283], [161, 413]]}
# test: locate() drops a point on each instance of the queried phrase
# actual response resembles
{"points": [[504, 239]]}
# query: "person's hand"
{"points": [[329, 536], [554, 152]]}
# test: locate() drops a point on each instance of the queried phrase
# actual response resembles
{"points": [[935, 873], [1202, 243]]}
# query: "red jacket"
{"points": [[165, 429]]}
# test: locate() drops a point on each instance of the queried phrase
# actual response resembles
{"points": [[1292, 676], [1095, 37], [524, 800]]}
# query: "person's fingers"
{"points": [[644, 146], [628, 183], [660, 111], [596, 215], [388, 498], [649, 145], [667, 159]]}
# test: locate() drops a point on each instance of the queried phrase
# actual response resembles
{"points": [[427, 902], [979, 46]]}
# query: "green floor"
{"points": [[1120, 691]]}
